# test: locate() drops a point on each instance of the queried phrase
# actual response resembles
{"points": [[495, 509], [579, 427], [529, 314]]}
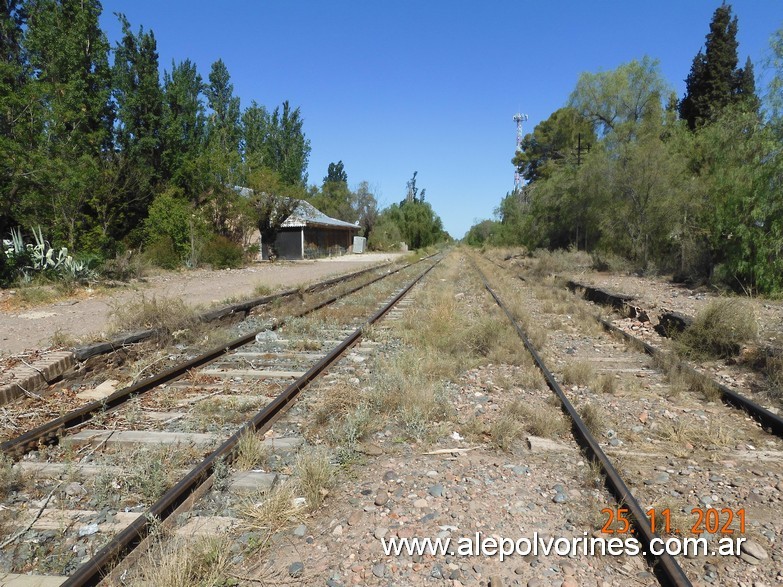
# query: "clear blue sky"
{"points": [[393, 87]]}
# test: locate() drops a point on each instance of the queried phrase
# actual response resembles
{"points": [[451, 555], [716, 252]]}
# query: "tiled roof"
{"points": [[306, 214]]}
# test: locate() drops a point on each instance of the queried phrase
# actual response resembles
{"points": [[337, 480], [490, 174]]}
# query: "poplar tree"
{"points": [[286, 149], [139, 98], [255, 132], [69, 54], [17, 133], [183, 126]]}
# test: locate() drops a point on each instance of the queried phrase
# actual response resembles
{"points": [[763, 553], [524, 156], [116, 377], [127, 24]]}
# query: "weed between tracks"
{"points": [[251, 452], [180, 562], [452, 328]]}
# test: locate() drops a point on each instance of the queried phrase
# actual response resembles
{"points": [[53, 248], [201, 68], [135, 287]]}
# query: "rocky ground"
{"points": [[462, 480], [469, 455]]}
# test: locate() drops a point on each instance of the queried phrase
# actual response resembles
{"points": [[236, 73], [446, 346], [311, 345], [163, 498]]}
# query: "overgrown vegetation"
{"points": [[168, 315], [182, 562], [719, 330], [109, 154], [626, 170], [546, 421]]}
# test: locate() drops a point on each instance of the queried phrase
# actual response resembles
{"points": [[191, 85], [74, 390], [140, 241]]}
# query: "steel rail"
{"points": [[669, 568], [773, 422], [728, 395], [52, 430], [92, 571], [84, 352]]}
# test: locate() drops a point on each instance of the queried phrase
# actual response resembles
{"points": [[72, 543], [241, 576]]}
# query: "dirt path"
{"points": [[85, 319]]}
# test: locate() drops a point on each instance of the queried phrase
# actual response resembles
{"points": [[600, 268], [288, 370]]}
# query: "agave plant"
{"points": [[41, 257]]}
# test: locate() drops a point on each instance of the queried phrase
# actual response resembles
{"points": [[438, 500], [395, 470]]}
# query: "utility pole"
{"points": [[579, 149]]}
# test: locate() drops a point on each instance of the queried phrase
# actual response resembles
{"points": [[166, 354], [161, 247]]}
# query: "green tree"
{"points": [[183, 129], [412, 192], [224, 121], [336, 173], [255, 134], [138, 128], [481, 233], [742, 214], [286, 149], [222, 159], [334, 198], [416, 224], [553, 142], [18, 132], [774, 94], [69, 54], [366, 208], [745, 88], [714, 81], [616, 101], [274, 200]]}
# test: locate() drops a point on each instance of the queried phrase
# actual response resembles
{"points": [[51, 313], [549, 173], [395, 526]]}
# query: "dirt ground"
{"points": [[87, 315]]}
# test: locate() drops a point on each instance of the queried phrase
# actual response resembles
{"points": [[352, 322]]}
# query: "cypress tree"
{"points": [[714, 80], [183, 127], [745, 88]]}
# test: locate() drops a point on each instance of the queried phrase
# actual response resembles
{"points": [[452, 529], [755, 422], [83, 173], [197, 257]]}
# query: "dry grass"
{"points": [[681, 381], [594, 418], [404, 390], [10, 477], [171, 316], [604, 383], [505, 432], [578, 373], [474, 429], [262, 289], [773, 369], [218, 411], [559, 261], [335, 401], [681, 431], [147, 473], [593, 475], [271, 511], [251, 452], [719, 330], [539, 420], [315, 476], [184, 562]]}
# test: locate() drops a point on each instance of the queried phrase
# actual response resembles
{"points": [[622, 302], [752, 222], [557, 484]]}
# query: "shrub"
{"points": [[174, 222], [124, 266], [221, 253], [719, 330], [165, 314], [162, 253]]}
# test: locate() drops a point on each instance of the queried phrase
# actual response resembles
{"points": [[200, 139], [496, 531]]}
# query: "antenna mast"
{"points": [[519, 119]]}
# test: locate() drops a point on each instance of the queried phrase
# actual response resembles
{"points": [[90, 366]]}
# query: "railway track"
{"points": [[37, 426], [687, 461], [188, 408], [673, 456], [36, 374]]}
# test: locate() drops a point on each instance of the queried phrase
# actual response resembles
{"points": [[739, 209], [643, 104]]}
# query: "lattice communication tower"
{"points": [[519, 119]]}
